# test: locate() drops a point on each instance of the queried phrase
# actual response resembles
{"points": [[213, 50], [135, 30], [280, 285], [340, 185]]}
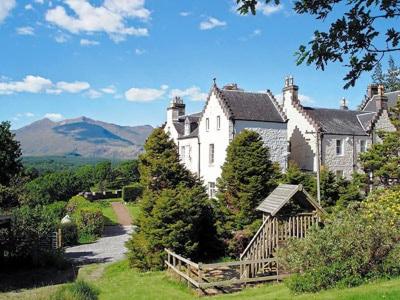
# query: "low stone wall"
{"points": [[92, 196]]}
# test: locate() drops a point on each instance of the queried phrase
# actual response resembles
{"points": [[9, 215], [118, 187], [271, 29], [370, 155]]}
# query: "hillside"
{"points": [[82, 137]]}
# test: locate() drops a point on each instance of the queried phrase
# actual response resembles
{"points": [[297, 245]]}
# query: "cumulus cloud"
{"points": [[61, 38], [269, 9], [93, 94], [304, 99], [38, 84], [25, 30], [86, 42], [211, 23], [54, 116], [109, 90], [144, 94], [73, 87], [110, 17], [6, 6], [194, 93]]}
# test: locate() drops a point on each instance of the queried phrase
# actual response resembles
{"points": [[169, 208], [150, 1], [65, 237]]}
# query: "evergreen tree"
{"points": [[246, 178], [392, 77], [378, 77], [351, 191], [294, 175], [176, 212], [10, 154], [329, 188]]}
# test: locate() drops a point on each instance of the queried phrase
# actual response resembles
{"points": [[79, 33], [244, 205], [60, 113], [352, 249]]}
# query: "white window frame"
{"points": [[211, 154], [339, 147], [190, 153], [207, 124], [212, 191], [218, 122]]}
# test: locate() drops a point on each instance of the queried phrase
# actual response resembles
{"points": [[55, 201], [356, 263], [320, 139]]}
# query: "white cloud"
{"points": [[269, 9], [304, 99], [30, 84], [5, 8], [54, 116], [38, 84], [185, 13], [193, 93], [211, 23], [72, 87], [164, 87], [110, 17], [29, 114], [144, 94], [23, 115], [61, 38], [93, 94], [256, 32], [25, 30], [140, 51], [86, 42], [39, 1], [28, 7], [109, 90]]}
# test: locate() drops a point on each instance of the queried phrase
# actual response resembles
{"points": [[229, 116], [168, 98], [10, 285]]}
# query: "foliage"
{"points": [[175, 211], [78, 290], [391, 79], [351, 191], [69, 234], [294, 175], [132, 192], [330, 191], [352, 39], [10, 154], [247, 178], [355, 245], [126, 173]]}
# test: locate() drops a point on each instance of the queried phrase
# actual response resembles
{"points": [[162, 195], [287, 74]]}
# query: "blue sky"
{"points": [[121, 61]]}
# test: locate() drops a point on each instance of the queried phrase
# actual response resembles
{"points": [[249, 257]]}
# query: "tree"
{"points": [[294, 175], [354, 39], [392, 77], [378, 77], [10, 154], [246, 177], [175, 210]]}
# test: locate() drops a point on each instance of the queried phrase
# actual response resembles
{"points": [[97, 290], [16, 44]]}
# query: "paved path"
{"points": [[111, 246], [123, 216]]}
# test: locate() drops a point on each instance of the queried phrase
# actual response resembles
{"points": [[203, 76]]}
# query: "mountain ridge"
{"points": [[82, 136]]}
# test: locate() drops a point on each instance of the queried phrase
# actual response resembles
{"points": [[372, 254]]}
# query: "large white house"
{"points": [[306, 135], [202, 138]]}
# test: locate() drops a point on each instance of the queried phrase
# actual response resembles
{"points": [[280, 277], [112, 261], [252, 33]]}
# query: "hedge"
{"points": [[132, 192]]}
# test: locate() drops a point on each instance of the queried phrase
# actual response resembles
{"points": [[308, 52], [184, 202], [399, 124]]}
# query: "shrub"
{"points": [[354, 246], [79, 290], [69, 234], [132, 192], [89, 221]]}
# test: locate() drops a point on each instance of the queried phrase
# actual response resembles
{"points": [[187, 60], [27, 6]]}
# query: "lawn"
{"points": [[134, 210], [118, 282]]}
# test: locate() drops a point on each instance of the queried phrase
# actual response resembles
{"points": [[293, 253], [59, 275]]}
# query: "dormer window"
{"points": [[187, 128]]}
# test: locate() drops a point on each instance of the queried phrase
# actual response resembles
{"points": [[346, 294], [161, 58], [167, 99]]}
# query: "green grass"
{"points": [[118, 282], [107, 210], [134, 210]]}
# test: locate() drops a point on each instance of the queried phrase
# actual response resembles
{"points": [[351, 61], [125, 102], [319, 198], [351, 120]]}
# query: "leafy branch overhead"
{"points": [[356, 39]]}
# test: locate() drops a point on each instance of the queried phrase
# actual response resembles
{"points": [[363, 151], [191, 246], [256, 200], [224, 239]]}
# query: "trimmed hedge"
{"points": [[131, 193]]}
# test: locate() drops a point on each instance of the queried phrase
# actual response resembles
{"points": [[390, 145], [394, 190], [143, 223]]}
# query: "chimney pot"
{"points": [[343, 104]]}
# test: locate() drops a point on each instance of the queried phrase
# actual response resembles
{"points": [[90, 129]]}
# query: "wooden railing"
{"points": [[205, 276], [272, 233]]}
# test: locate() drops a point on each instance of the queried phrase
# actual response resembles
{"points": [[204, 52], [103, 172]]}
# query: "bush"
{"points": [[354, 246], [132, 192], [69, 234], [79, 290]]}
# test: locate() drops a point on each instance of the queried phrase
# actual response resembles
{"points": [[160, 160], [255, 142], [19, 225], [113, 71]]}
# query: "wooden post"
{"points": [[199, 273], [188, 273], [59, 239]]}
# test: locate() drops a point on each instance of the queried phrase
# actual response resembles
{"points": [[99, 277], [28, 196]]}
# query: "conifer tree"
{"points": [[378, 77], [246, 178], [392, 77]]}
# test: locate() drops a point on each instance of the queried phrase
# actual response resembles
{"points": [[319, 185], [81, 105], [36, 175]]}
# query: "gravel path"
{"points": [[110, 247]]}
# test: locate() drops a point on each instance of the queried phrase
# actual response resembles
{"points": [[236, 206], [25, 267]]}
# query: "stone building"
{"points": [[202, 138]]}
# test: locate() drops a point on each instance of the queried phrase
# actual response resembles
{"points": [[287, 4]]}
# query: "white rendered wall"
{"points": [[274, 136], [191, 158], [220, 138]]}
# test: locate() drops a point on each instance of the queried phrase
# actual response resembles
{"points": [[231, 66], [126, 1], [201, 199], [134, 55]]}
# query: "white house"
{"points": [[334, 137], [202, 138]]}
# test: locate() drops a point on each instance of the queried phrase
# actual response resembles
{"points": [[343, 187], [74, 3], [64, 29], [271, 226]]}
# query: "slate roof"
{"points": [[337, 121], [392, 100], [366, 119], [193, 119], [281, 196], [251, 106]]}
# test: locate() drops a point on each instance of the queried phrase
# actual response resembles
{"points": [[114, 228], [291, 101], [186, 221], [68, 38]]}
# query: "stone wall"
{"points": [[92, 196]]}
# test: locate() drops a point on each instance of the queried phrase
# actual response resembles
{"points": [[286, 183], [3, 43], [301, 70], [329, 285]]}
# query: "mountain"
{"points": [[82, 137]]}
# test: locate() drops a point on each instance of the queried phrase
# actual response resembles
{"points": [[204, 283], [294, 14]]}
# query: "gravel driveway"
{"points": [[110, 247]]}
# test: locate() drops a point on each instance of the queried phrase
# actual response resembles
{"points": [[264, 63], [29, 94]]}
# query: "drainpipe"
{"points": [[198, 160], [319, 167]]}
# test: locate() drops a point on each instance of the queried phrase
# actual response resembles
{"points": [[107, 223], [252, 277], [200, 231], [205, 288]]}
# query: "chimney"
{"points": [[380, 99], [372, 90], [290, 92], [176, 109], [232, 87], [343, 104]]}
